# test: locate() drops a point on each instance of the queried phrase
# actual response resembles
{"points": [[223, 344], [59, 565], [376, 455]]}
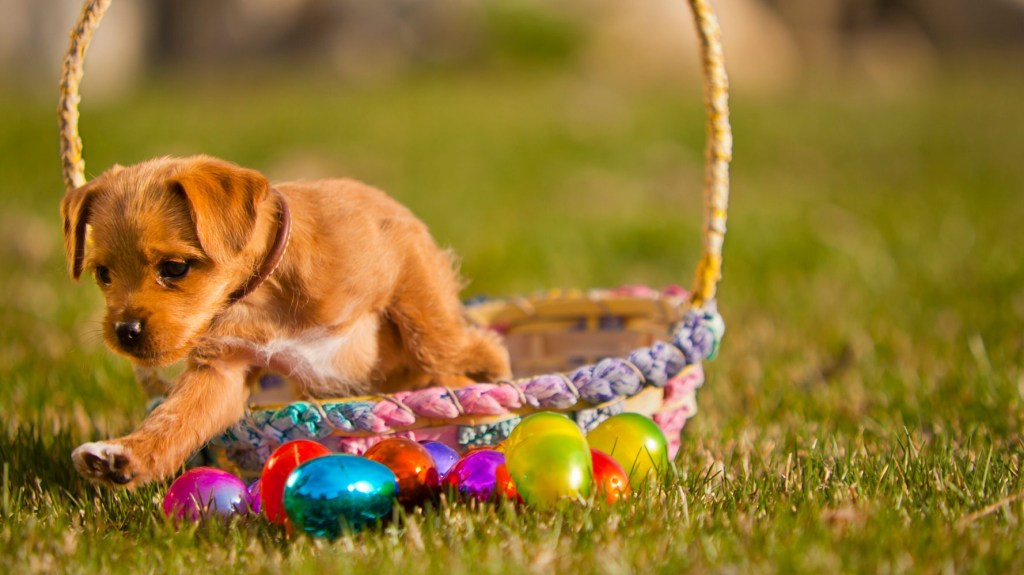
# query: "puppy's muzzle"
{"points": [[129, 334]]}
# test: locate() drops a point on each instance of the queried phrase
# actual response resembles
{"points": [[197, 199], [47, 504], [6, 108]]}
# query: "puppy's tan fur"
{"points": [[363, 300]]}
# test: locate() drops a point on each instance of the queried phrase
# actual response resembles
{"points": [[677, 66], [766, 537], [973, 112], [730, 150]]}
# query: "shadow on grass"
{"points": [[39, 478], [32, 456]]}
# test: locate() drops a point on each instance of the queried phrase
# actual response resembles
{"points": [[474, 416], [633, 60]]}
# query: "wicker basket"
{"points": [[589, 354]]}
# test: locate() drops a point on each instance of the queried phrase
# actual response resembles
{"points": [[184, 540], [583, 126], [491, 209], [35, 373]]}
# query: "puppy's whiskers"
{"points": [[94, 335]]}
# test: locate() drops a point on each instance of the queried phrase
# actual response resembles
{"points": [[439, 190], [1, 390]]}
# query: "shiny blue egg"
{"points": [[328, 495]]}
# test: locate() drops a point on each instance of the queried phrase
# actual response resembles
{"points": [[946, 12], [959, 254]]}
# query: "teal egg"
{"points": [[327, 495]]}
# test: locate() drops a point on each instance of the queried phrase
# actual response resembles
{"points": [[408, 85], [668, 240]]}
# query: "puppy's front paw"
{"points": [[104, 462]]}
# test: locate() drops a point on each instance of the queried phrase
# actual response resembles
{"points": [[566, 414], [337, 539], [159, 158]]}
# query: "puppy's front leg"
{"points": [[207, 398]]}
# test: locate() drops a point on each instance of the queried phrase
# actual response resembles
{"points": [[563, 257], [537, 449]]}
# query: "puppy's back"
{"points": [[353, 240]]}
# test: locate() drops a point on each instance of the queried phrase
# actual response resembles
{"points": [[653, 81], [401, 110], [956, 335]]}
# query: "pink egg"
{"points": [[204, 492]]}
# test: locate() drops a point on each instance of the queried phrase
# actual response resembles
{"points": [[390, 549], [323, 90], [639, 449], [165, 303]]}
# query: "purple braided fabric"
{"points": [[659, 363], [549, 392], [693, 337], [606, 380]]}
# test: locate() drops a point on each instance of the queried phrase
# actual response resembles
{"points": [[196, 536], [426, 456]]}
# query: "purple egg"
{"points": [[475, 474], [255, 498], [206, 491], [444, 457]]}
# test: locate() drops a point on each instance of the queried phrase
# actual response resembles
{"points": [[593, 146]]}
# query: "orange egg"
{"points": [[412, 465]]}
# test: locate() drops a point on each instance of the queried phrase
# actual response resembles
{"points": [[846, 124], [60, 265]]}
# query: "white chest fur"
{"points": [[325, 360]]}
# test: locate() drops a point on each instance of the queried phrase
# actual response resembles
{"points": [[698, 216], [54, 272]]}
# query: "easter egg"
{"points": [[551, 469], [412, 465], [204, 492], [540, 424], [505, 486], [609, 478], [636, 442], [255, 503], [279, 465], [475, 474], [444, 457], [326, 495]]}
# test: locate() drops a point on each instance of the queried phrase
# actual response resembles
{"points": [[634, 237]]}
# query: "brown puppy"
{"points": [[331, 282]]}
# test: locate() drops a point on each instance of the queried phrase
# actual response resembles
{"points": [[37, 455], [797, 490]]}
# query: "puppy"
{"points": [[330, 282]]}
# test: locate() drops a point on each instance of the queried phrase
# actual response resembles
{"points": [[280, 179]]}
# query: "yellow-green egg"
{"points": [[548, 470], [540, 424], [634, 441]]}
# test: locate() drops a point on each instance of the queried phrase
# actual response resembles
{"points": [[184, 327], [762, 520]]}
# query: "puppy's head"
{"points": [[167, 241]]}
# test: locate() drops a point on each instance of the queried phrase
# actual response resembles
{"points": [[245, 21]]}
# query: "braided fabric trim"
{"points": [[593, 392]]}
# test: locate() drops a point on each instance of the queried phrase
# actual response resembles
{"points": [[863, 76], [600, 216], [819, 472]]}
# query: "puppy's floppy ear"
{"points": [[222, 198], [75, 210]]}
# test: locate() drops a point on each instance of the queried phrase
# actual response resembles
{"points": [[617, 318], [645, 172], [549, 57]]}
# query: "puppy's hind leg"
{"points": [[484, 357], [430, 320]]}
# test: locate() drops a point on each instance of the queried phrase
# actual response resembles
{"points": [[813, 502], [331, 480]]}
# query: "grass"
{"points": [[865, 414]]}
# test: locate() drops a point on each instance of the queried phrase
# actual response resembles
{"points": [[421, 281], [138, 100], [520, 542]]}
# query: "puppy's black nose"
{"points": [[129, 333]]}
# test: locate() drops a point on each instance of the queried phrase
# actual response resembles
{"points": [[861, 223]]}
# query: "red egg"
{"points": [[505, 486], [276, 470], [412, 464], [609, 477]]}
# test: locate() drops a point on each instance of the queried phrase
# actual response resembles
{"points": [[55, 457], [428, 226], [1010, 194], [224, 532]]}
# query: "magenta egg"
{"points": [[475, 475], [205, 492], [255, 496]]}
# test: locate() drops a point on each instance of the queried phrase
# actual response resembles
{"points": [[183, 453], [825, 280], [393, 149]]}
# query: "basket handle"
{"points": [[718, 152], [71, 162]]}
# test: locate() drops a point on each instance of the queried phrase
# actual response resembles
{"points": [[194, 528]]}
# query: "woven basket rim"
{"points": [[463, 419]]}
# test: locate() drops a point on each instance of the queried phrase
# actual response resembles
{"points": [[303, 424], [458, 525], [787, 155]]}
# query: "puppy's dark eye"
{"points": [[172, 269], [103, 275]]}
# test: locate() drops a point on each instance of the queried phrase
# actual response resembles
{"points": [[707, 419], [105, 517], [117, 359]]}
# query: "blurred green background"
{"points": [[874, 225], [873, 270]]}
